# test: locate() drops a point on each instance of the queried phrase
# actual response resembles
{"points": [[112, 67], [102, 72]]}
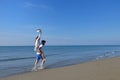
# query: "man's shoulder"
{"points": [[41, 45]]}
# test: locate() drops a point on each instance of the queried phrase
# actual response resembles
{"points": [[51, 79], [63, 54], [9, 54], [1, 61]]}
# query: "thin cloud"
{"points": [[32, 5], [44, 6], [28, 4]]}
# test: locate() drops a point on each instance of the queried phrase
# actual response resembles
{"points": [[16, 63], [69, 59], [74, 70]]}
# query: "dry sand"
{"points": [[107, 69]]}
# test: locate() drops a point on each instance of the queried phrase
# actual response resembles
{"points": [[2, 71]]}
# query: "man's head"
{"points": [[43, 42]]}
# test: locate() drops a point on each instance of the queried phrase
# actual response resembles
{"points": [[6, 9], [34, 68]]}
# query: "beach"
{"points": [[106, 69]]}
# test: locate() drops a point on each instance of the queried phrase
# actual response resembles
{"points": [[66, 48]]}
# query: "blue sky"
{"points": [[63, 22]]}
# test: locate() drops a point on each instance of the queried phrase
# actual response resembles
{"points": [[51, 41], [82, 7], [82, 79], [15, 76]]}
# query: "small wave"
{"points": [[108, 54], [20, 58], [48, 55], [65, 62], [58, 64], [15, 59]]}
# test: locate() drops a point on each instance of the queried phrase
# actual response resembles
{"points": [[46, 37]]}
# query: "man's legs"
{"points": [[35, 65], [43, 61], [36, 62]]}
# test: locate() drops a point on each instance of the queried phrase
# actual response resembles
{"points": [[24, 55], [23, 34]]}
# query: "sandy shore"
{"points": [[108, 69]]}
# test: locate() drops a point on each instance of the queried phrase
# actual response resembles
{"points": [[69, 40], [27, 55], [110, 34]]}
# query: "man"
{"points": [[40, 55]]}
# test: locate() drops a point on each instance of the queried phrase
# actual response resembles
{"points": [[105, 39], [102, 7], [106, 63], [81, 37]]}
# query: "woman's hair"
{"points": [[36, 37]]}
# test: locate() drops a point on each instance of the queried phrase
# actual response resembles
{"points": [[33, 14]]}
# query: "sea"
{"points": [[20, 59]]}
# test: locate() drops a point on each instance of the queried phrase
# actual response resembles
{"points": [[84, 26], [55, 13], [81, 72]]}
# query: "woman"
{"points": [[37, 39]]}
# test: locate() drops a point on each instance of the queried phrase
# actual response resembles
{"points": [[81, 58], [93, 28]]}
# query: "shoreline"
{"points": [[106, 69]]}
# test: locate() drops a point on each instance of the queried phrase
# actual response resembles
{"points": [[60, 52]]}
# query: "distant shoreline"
{"points": [[56, 45]]}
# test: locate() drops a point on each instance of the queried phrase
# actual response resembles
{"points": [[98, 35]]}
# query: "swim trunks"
{"points": [[38, 56]]}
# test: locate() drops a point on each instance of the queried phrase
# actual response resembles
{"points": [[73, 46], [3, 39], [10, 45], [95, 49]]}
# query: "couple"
{"points": [[39, 52]]}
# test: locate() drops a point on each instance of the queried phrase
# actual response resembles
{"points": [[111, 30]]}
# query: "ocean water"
{"points": [[20, 59]]}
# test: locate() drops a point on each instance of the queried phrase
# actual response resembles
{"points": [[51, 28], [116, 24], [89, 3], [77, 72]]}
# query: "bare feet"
{"points": [[41, 67], [34, 69]]}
